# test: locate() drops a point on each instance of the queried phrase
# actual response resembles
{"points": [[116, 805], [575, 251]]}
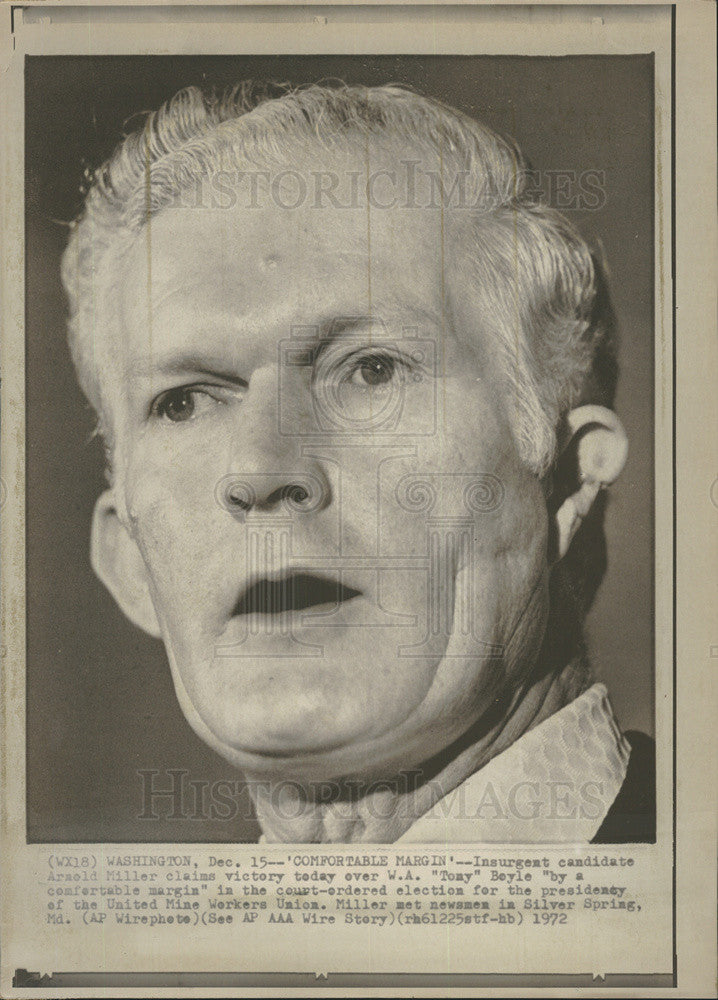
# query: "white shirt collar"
{"points": [[553, 785]]}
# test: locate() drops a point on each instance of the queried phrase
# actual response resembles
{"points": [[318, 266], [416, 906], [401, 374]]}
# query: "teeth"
{"points": [[291, 593]]}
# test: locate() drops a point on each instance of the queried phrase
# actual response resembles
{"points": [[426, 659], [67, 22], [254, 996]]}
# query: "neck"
{"points": [[380, 811]]}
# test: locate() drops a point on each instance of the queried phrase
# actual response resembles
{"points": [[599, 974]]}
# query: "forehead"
{"points": [[266, 256], [356, 243]]}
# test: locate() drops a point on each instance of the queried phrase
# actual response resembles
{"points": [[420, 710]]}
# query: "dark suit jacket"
{"points": [[632, 817]]}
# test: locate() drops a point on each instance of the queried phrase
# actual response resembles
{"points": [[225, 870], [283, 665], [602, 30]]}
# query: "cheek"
{"points": [[159, 503], [169, 477], [518, 602], [514, 533], [177, 525], [502, 580]]}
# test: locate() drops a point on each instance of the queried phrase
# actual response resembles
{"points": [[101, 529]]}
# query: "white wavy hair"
{"points": [[541, 280]]}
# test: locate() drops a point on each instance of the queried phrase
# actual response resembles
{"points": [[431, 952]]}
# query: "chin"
{"points": [[281, 722], [306, 763], [310, 755], [276, 737], [275, 743]]}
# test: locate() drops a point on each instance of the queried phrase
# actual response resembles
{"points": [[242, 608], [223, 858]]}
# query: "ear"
{"points": [[600, 446], [117, 561]]}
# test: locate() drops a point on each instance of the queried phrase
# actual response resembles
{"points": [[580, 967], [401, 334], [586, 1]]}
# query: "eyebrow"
{"points": [[322, 335], [410, 316], [150, 366]]}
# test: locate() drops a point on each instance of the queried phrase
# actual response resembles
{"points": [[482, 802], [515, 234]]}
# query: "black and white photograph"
{"points": [[355, 623], [365, 452]]}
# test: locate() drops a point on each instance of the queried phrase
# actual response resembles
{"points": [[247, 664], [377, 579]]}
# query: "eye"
{"points": [[181, 404], [373, 370]]}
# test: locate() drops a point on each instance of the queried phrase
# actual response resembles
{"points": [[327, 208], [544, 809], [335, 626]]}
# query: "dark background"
{"points": [[100, 702]]}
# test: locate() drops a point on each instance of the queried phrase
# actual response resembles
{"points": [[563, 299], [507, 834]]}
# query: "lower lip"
{"points": [[331, 607], [284, 621]]}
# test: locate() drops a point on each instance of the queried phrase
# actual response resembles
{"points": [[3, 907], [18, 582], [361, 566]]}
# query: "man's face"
{"points": [[346, 557]]}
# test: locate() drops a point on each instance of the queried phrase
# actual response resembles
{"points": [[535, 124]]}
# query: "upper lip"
{"points": [[291, 592]]}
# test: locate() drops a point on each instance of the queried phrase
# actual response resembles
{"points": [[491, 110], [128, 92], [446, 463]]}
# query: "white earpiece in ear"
{"points": [[602, 449]]}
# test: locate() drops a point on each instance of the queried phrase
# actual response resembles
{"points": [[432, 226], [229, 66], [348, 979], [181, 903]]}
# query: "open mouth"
{"points": [[293, 592]]}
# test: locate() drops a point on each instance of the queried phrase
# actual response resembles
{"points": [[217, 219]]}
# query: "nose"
{"points": [[299, 491], [270, 471]]}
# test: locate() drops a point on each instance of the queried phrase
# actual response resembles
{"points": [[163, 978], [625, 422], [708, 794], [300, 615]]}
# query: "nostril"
{"points": [[239, 502], [292, 496], [302, 496], [296, 494], [240, 496]]}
